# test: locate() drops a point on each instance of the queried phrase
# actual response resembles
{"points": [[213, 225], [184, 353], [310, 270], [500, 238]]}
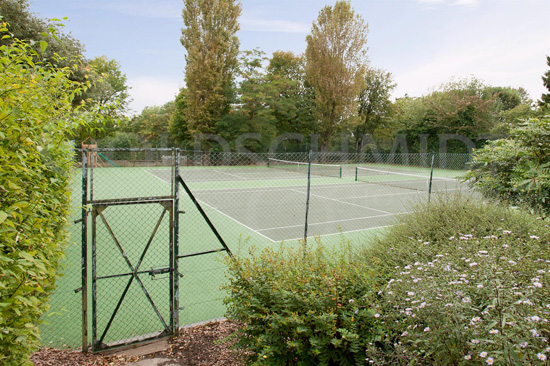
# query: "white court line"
{"points": [[156, 176], [334, 221], [238, 222], [347, 203], [233, 175], [341, 232]]}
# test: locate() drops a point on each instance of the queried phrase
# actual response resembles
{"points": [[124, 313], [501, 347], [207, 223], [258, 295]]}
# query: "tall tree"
{"points": [[374, 103], [544, 101], [212, 46], [336, 57]]}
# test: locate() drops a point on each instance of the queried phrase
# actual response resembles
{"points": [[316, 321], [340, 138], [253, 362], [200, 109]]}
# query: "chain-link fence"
{"points": [[251, 200]]}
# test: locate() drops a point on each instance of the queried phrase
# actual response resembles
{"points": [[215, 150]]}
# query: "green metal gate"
{"points": [[134, 250]]}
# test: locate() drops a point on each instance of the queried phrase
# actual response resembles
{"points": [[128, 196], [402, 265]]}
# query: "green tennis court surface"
{"points": [[249, 205]]}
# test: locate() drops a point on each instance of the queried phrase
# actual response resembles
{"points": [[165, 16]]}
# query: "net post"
{"points": [[356, 174], [431, 178], [307, 199], [268, 161], [340, 171]]}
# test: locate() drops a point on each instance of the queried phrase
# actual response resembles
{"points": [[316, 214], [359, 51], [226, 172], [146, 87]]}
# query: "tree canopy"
{"points": [[336, 60], [212, 46]]}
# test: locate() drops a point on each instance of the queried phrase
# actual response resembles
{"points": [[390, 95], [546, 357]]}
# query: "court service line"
{"points": [[334, 221], [238, 222], [342, 232], [347, 203]]}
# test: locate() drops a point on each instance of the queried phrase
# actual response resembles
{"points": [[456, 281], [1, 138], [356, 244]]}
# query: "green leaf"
{"points": [[3, 216], [43, 46]]}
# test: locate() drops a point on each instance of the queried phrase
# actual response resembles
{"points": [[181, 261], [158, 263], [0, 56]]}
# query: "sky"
{"points": [[423, 43]]}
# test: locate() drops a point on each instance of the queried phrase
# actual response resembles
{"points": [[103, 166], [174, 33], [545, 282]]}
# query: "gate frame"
{"points": [[88, 206]]}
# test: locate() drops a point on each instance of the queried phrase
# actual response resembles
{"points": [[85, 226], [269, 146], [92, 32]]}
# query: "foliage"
{"points": [[108, 93], [62, 50], [517, 169], [463, 283], [374, 104], [152, 124], [212, 46], [335, 65], [544, 102], [465, 108], [35, 114], [177, 125], [301, 307]]}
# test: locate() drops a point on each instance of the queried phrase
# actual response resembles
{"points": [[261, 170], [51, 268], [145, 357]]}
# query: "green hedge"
{"points": [[35, 117], [301, 308]]}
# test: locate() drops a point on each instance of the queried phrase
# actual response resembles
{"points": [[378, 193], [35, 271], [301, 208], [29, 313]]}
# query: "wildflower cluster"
{"points": [[478, 299]]}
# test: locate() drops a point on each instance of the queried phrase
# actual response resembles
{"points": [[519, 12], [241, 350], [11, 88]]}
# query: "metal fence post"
{"points": [[175, 251], [84, 249], [307, 199]]}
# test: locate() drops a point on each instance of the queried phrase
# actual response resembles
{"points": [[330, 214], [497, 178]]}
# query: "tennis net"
{"points": [[405, 180], [328, 170]]}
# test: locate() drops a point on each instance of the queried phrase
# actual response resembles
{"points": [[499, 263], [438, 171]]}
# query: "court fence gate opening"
{"points": [[153, 227]]}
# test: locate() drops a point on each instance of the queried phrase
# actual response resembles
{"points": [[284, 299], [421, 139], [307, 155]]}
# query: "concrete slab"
{"points": [[155, 362]]}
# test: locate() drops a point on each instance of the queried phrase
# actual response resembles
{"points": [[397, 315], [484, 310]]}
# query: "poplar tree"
{"points": [[336, 62], [209, 37]]}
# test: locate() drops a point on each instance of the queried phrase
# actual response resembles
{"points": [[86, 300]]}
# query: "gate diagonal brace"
{"points": [[205, 217], [134, 271]]}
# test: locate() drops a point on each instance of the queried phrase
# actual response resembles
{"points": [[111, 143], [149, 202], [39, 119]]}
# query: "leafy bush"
{"points": [[301, 308], [469, 285], [35, 115], [517, 169]]}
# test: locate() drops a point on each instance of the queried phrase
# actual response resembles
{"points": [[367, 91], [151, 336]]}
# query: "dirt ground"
{"points": [[196, 346]]}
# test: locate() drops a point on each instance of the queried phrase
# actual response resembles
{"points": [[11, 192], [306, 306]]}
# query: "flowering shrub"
{"points": [[478, 296], [301, 308], [517, 169]]}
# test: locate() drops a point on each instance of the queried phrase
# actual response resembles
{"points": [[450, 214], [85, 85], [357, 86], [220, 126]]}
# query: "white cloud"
{"points": [[267, 25], [141, 8], [150, 91], [507, 61], [466, 3], [452, 3]]}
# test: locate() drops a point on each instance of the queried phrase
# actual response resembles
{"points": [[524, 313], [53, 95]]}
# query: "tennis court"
{"points": [[271, 202], [261, 205]]}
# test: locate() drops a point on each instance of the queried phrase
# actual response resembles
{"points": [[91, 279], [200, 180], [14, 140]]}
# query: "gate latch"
{"points": [[157, 271]]}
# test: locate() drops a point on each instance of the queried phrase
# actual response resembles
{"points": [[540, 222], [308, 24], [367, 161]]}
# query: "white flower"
{"points": [[490, 361], [404, 334], [475, 341], [523, 344], [473, 264], [480, 286], [493, 331], [427, 329], [468, 357], [534, 332], [537, 284], [534, 237], [541, 356], [483, 354], [377, 315], [410, 293], [466, 300]]}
